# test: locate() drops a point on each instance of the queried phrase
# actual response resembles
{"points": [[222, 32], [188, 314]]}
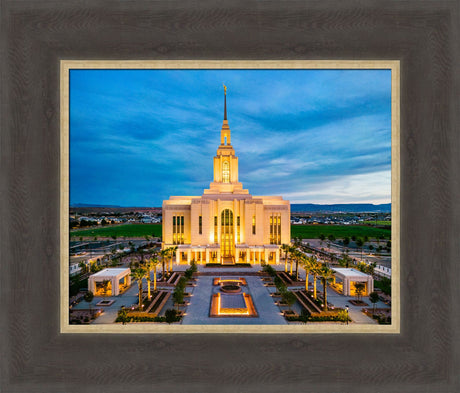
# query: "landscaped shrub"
{"points": [[384, 284], [171, 315], [192, 269], [269, 269]]}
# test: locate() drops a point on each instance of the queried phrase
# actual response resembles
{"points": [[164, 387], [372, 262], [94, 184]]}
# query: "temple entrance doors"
{"points": [[227, 245]]}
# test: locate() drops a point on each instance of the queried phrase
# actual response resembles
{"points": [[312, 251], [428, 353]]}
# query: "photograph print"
{"points": [[216, 199]]}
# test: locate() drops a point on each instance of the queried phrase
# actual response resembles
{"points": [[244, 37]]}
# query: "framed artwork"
{"points": [[38, 38], [233, 239]]}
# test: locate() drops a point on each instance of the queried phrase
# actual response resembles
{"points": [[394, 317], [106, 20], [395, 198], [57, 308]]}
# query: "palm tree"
{"points": [[327, 274], [148, 266], [297, 256], [138, 274], [164, 254], [152, 263], [315, 268], [285, 248], [291, 252], [172, 252], [306, 264]]}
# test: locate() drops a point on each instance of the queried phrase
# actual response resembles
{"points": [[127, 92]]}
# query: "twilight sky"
{"points": [[312, 136]]}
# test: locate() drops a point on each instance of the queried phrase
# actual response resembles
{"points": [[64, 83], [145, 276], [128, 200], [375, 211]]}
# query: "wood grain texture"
{"points": [[423, 35]]}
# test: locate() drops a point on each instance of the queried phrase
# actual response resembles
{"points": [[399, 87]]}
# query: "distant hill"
{"points": [[341, 208], [295, 208], [91, 205]]}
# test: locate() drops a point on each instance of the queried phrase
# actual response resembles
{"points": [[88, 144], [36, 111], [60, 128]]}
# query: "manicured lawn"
{"points": [[339, 231], [128, 230], [302, 231], [381, 222]]}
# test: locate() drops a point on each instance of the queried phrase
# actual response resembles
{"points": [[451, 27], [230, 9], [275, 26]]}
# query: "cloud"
{"points": [[137, 137]]}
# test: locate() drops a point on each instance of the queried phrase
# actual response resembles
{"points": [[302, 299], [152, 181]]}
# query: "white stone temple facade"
{"points": [[226, 224]]}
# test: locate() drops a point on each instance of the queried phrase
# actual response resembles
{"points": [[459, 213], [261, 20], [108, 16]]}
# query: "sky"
{"points": [[312, 136]]}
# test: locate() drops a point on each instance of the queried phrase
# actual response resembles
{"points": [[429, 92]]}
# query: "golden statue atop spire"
{"points": [[225, 90]]}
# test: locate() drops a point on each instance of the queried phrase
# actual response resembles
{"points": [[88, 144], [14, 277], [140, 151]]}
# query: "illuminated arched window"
{"points": [[226, 172]]}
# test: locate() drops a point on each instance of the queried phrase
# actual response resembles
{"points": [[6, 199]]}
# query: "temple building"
{"points": [[226, 224]]}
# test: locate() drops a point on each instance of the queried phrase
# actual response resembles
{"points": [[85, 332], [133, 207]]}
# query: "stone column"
{"points": [[277, 256], [218, 256], [237, 256], [177, 257], [189, 256], [266, 256], [207, 255], [115, 287], [346, 286], [91, 285], [248, 254]]}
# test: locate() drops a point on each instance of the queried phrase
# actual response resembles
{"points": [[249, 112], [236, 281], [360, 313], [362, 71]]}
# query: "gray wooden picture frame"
{"points": [[35, 36]]}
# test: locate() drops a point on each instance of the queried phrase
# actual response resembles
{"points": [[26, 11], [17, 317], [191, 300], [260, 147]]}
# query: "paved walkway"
{"points": [[197, 313], [200, 303]]}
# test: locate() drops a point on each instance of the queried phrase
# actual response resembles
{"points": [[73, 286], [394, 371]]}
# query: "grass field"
{"points": [[381, 222], [128, 230], [339, 231], [302, 231]]}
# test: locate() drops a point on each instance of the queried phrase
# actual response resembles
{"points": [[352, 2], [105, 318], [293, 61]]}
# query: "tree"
{"points": [[315, 267], [360, 243], [170, 315], [346, 241], [345, 260], [172, 252], [178, 294], [150, 265], [306, 264], [321, 237], [288, 298], [292, 249], [89, 296], [359, 289], [331, 237], [83, 267], [285, 248], [327, 274], [297, 255], [374, 298], [164, 255], [105, 287], [123, 316], [138, 274]]}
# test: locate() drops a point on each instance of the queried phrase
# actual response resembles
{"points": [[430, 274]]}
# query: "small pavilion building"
{"points": [[226, 225], [119, 279], [346, 278]]}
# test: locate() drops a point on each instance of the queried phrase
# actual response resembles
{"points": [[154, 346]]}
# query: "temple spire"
{"points": [[225, 102]]}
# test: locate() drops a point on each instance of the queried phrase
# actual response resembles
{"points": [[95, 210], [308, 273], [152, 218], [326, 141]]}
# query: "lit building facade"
{"points": [[226, 224]]}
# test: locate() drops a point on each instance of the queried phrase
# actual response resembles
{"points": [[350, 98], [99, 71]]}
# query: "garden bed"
{"points": [[358, 303], [381, 315]]}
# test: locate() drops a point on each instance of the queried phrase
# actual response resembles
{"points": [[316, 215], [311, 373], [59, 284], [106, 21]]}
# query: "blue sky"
{"points": [[312, 136]]}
